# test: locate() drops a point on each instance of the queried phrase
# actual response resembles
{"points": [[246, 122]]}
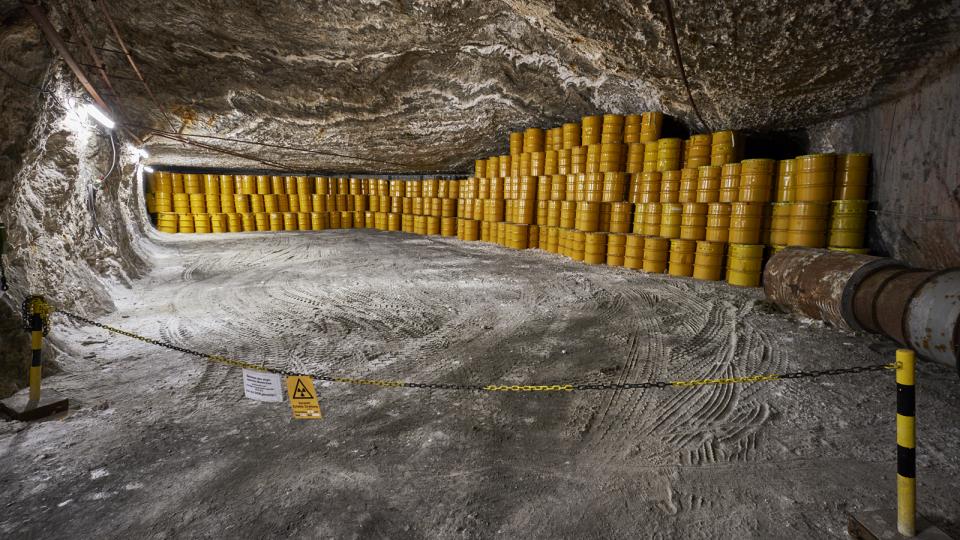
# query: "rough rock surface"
{"points": [[433, 85]]}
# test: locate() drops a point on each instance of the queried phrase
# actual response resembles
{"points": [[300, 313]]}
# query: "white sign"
{"points": [[262, 386]]}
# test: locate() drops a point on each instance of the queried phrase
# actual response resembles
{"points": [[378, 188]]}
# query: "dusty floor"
{"points": [[161, 445]]}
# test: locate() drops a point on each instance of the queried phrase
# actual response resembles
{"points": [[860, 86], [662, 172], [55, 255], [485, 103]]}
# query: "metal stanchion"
{"points": [[902, 522], [906, 445], [34, 404]]}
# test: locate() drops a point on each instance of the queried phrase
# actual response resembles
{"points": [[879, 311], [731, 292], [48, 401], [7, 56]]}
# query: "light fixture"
{"points": [[98, 115], [147, 168]]}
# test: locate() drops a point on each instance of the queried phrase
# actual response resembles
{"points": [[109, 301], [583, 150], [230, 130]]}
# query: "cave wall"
{"points": [[49, 157], [915, 184]]}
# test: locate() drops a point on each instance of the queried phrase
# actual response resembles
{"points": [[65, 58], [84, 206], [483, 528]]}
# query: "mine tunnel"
{"points": [[515, 269]]}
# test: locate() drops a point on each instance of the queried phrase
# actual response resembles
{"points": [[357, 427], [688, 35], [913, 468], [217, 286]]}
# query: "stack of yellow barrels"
{"points": [[607, 190]]}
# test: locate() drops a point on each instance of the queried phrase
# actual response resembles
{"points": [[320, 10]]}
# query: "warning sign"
{"points": [[262, 386], [303, 398]]}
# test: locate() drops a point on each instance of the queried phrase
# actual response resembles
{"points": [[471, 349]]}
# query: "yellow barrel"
{"points": [[650, 126], [708, 184], [185, 223], [614, 186], [277, 185], [655, 254], [234, 223], [670, 220], [647, 186], [193, 184], [612, 129], [218, 223], [729, 183], [633, 251], [263, 184], [533, 140], [163, 182], [212, 203], [248, 221], [616, 249], [432, 225], [393, 221], [289, 221], [815, 177], [708, 260], [650, 156], [595, 248], [448, 226], [746, 221], [620, 218], [201, 223], [718, 222], [576, 245], [163, 202], [786, 181], [634, 161], [682, 255], [670, 186], [243, 203], [652, 214], [303, 221], [177, 180], [198, 203], [276, 221], [693, 221], [688, 185], [632, 128], [257, 204], [570, 133], [588, 216], [552, 243], [211, 184], [335, 219], [756, 180], [779, 223], [744, 265], [168, 222], [850, 179], [369, 219], [848, 221], [668, 154], [271, 203], [808, 224], [725, 147]]}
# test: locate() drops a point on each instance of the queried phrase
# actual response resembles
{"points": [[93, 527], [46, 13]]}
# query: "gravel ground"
{"points": [[159, 444]]}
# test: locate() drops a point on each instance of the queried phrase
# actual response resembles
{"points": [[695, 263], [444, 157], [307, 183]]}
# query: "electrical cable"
{"points": [[683, 73]]}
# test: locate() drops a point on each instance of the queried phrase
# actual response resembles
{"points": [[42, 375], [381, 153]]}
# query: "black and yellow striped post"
{"points": [[906, 444], [35, 404], [38, 312]]}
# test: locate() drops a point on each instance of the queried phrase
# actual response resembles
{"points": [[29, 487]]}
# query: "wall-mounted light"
{"points": [[147, 168], [99, 116]]}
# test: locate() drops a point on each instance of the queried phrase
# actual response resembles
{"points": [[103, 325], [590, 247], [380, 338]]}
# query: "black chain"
{"points": [[477, 387]]}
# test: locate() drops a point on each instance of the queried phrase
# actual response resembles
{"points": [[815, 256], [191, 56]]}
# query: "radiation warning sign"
{"points": [[303, 398]]}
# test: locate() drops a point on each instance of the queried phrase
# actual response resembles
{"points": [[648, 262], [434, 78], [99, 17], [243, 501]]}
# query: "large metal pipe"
{"points": [[932, 324], [819, 283], [919, 309]]}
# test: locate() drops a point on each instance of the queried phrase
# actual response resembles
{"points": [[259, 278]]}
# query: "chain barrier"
{"points": [[749, 379]]}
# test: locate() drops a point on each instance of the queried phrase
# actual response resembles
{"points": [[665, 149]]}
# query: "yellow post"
{"points": [[38, 313], [906, 444]]}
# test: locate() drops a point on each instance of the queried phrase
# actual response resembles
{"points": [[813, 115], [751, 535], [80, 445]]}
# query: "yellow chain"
{"points": [[530, 388], [729, 380]]}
